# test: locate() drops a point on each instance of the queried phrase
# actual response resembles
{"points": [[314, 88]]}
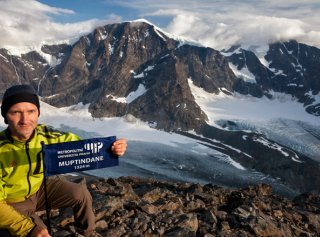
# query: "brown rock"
{"points": [[132, 207]]}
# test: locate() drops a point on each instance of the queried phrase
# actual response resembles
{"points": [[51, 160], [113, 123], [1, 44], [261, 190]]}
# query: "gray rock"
{"points": [[174, 209]]}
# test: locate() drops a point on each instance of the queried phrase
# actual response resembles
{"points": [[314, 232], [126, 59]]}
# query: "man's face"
{"points": [[22, 120]]}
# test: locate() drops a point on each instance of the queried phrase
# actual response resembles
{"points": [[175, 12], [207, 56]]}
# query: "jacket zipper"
{"points": [[29, 171]]}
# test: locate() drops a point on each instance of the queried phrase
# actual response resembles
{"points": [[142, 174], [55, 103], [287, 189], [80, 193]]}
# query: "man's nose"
{"points": [[23, 117]]}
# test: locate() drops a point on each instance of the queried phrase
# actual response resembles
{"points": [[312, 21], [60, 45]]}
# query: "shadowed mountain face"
{"points": [[136, 69], [289, 67]]}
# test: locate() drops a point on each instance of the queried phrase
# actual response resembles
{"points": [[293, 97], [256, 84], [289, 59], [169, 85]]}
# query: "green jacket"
{"points": [[21, 174]]}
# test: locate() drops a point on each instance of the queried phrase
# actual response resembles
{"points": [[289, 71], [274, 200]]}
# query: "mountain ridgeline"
{"points": [[135, 69]]}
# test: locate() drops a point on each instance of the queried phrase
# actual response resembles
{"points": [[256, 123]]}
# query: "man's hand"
{"points": [[119, 147], [39, 231]]}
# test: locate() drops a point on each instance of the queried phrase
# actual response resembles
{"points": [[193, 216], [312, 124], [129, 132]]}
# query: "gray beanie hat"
{"points": [[17, 94]]}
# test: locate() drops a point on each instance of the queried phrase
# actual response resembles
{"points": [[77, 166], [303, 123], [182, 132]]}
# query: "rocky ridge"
{"points": [[135, 68], [132, 206]]}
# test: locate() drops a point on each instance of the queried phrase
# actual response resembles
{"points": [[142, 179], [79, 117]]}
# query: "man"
{"points": [[21, 170]]}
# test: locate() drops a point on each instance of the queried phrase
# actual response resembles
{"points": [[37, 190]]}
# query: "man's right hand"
{"points": [[39, 231]]}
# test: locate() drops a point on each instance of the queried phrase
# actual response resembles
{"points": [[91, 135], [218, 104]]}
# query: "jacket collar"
{"points": [[13, 140]]}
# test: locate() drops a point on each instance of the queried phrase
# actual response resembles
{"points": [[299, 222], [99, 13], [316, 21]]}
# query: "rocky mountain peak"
{"points": [[133, 67]]}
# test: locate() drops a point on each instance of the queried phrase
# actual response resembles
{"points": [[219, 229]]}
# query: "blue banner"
{"points": [[88, 154]]}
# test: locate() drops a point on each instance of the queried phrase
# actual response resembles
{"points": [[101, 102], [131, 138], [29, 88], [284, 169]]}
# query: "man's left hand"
{"points": [[119, 147]]}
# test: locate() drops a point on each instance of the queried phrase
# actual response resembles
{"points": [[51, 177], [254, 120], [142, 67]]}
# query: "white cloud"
{"points": [[28, 23], [220, 30], [213, 23], [219, 24]]}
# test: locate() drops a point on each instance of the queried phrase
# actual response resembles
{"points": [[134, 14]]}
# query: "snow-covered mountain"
{"points": [[243, 115]]}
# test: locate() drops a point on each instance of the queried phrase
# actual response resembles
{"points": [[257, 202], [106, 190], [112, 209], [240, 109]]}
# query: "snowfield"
{"points": [[158, 154]]}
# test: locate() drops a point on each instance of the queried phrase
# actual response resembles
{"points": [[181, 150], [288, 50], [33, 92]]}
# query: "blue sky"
{"points": [[89, 9], [105, 9], [213, 23]]}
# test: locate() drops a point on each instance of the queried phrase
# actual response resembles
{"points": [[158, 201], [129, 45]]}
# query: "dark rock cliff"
{"points": [[117, 61], [292, 68]]}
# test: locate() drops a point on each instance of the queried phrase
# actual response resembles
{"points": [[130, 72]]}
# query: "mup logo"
{"points": [[94, 147]]}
